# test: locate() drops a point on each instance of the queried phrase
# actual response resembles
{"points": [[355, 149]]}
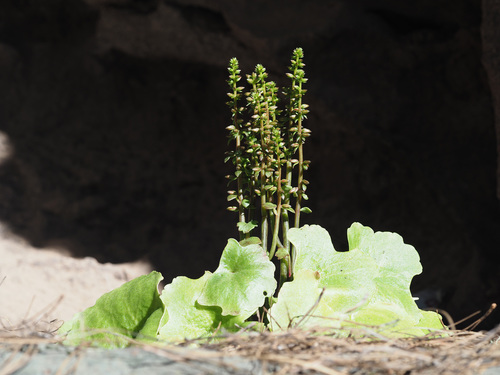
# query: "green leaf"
{"points": [[246, 227], [281, 253], [242, 281], [306, 210], [150, 329], [250, 241], [186, 318], [351, 271], [387, 249], [391, 322], [348, 277], [369, 284], [397, 263], [387, 319], [295, 299], [430, 321], [133, 308], [269, 206]]}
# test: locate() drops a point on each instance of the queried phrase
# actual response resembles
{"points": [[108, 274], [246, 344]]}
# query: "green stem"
{"points": [[301, 161], [240, 196], [263, 211], [286, 218], [284, 270], [263, 167], [277, 217], [285, 227]]}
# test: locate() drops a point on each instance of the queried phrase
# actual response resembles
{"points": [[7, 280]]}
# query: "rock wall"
{"points": [[114, 113], [490, 33]]}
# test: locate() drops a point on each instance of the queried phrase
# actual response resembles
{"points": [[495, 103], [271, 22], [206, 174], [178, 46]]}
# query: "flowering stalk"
{"points": [[266, 140]]}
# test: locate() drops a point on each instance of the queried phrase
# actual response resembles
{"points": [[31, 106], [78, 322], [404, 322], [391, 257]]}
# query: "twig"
{"points": [[477, 322]]}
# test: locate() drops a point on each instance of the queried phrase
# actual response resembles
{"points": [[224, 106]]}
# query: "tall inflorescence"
{"points": [[268, 157]]}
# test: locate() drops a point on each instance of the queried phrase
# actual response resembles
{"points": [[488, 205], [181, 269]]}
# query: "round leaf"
{"points": [[302, 303], [186, 318], [242, 281], [351, 273], [133, 307], [396, 263], [370, 283]]}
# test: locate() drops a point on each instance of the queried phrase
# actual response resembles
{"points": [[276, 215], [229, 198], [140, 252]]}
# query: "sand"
{"points": [[47, 286]]}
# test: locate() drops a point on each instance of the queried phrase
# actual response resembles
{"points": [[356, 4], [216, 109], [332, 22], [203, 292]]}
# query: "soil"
{"points": [[47, 286]]}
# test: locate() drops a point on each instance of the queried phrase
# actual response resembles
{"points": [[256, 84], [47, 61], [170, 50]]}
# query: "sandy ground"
{"points": [[46, 287]]}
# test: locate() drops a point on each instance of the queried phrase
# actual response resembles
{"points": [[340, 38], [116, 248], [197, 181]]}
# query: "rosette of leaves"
{"points": [[362, 290]]}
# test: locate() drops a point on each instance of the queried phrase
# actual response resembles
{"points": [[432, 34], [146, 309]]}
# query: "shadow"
{"points": [[110, 159]]}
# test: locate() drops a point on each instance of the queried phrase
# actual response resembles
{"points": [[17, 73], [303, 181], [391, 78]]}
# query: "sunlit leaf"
{"points": [[186, 318], [246, 227], [242, 281], [125, 312], [368, 284], [269, 206]]}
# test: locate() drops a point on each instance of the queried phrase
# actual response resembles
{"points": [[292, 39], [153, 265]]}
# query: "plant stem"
{"points": [[286, 218], [263, 155], [301, 169], [277, 216], [240, 197], [237, 134], [261, 116], [264, 223]]}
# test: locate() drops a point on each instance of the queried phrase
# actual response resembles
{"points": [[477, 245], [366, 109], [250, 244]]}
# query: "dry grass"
{"points": [[311, 352], [295, 351]]}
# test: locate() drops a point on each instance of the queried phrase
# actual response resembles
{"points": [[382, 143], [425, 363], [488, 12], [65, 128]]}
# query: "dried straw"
{"points": [[312, 351]]}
